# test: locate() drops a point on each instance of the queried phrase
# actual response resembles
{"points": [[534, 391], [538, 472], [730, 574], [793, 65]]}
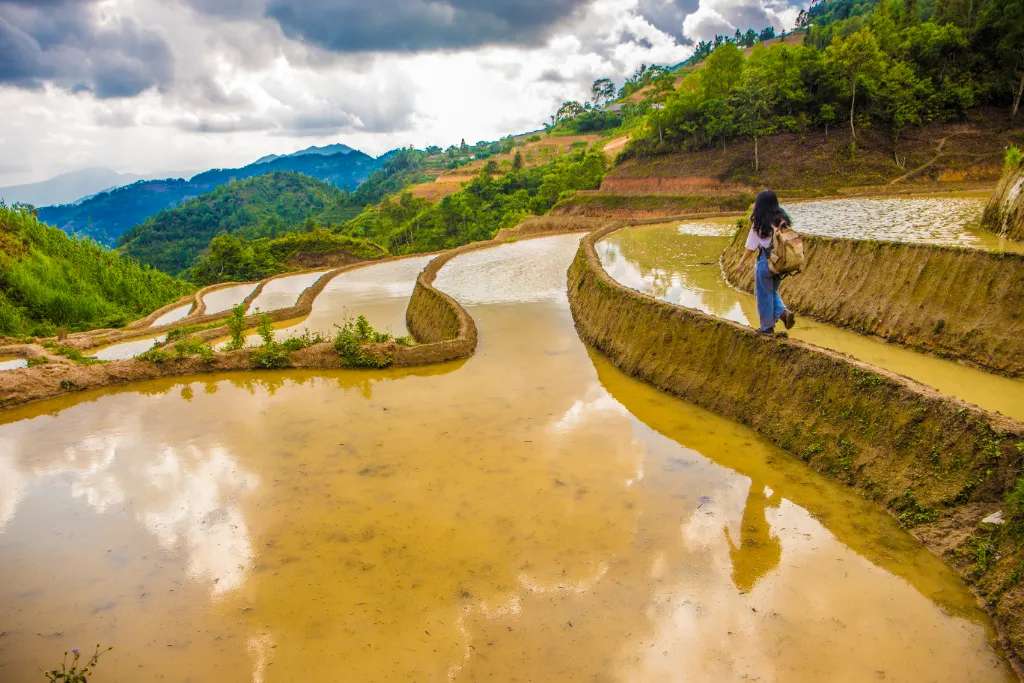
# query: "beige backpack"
{"points": [[787, 255]]}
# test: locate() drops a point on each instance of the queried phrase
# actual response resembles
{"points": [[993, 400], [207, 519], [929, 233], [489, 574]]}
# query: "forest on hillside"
{"points": [[888, 65]]}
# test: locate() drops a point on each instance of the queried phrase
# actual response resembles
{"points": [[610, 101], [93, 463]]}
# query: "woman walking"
{"points": [[766, 217]]}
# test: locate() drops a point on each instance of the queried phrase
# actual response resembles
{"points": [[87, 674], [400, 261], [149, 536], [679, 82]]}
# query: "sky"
{"points": [[152, 86]]}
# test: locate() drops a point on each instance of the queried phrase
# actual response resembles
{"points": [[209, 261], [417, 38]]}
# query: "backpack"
{"points": [[787, 254]]}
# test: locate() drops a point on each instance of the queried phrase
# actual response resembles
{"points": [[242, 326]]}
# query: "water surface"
{"points": [[283, 291], [227, 297], [12, 363], [173, 315], [528, 514]]}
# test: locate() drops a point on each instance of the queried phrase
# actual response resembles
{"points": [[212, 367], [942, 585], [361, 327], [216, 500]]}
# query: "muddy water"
{"points": [[173, 315], [283, 291], [678, 262], [529, 514], [227, 297], [380, 292], [948, 220]]}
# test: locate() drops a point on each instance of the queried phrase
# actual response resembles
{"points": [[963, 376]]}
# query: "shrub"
{"points": [[189, 347], [74, 354], [236, 326], [1014, 157], [351, 340], [154, 355], [76, 673]]}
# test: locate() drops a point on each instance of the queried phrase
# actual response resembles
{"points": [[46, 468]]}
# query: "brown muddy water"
{"points": [[379, 292], [528, 514], [678, 262]]}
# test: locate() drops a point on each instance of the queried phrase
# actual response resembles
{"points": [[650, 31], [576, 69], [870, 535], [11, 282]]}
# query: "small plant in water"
{"points": [[350, 343], [75, 672], [265, 328], [236, 326]]}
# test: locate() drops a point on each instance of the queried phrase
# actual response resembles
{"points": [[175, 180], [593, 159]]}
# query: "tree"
{"points": [[722, 71], [826, 116], [857, 58], [755, 101], [901, 98], [517, 161], [1000, 27], [568, 110], [767, 33], [602, 91]]}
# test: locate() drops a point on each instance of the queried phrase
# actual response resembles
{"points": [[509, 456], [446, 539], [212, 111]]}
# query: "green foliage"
{"points": [[909, 512], [351, 340], [154, 355], [265, 329], [484, 206], [230, 257], [888, 64], [76, 673], [236, 327], [189, 347], [1015, 507], [264, 206], [1014, 157], [49, 280], [74, 354]]}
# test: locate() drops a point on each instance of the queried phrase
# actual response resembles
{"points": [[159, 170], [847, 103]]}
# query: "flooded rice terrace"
{"points": [[528, 514]]}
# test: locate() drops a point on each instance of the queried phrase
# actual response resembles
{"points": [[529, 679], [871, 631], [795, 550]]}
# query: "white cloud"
{"points": [[242, 88]]}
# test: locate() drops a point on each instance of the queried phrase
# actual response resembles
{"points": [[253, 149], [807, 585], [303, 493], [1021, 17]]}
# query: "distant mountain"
{"points": [[66, 187], [108, 215], [267, 205], [326, 150]]}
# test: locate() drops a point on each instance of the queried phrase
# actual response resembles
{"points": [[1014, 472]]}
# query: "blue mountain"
{"points": [[106, 216]]}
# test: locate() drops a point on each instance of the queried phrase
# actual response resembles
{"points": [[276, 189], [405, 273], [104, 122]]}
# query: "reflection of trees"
{"points": [[759, 550]]}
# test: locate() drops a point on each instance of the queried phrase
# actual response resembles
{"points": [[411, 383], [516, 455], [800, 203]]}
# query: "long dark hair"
{"points": [[766, 213]]}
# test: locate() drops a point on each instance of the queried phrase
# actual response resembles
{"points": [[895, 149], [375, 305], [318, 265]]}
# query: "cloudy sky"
{"points": [[148, 86]]}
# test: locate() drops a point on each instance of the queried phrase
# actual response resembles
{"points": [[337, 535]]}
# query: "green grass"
{"points": [[49, 280]]}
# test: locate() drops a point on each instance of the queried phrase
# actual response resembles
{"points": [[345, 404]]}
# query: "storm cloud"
{"points": [[415, 25], [66, 43]]}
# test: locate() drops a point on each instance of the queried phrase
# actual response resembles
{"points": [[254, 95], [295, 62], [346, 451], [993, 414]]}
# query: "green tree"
{"points": [[857, 58], [722, 71], [602, 91]]}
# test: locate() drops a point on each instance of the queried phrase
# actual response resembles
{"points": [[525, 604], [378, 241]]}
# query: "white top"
{"points": [[755, 241]]}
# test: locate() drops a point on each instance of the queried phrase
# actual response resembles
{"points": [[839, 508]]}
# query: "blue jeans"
{"points": [[766, 288]]}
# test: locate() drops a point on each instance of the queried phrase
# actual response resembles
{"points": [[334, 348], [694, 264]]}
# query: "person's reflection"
{"points": [[759, 550]]}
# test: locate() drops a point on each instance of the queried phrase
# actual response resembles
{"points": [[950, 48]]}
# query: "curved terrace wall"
{"points": [[955, 302], [928, 458]]}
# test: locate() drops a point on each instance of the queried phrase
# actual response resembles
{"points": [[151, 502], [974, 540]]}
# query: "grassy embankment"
{"points": [[51, 281]]}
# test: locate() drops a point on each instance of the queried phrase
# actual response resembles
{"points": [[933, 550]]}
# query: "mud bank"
{"points": [[959, 303], [1004, 213], [938, 464]]}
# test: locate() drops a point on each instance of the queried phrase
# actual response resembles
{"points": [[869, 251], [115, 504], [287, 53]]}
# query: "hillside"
{"points": [[263, 206], [108, 215], [49, 280]]}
